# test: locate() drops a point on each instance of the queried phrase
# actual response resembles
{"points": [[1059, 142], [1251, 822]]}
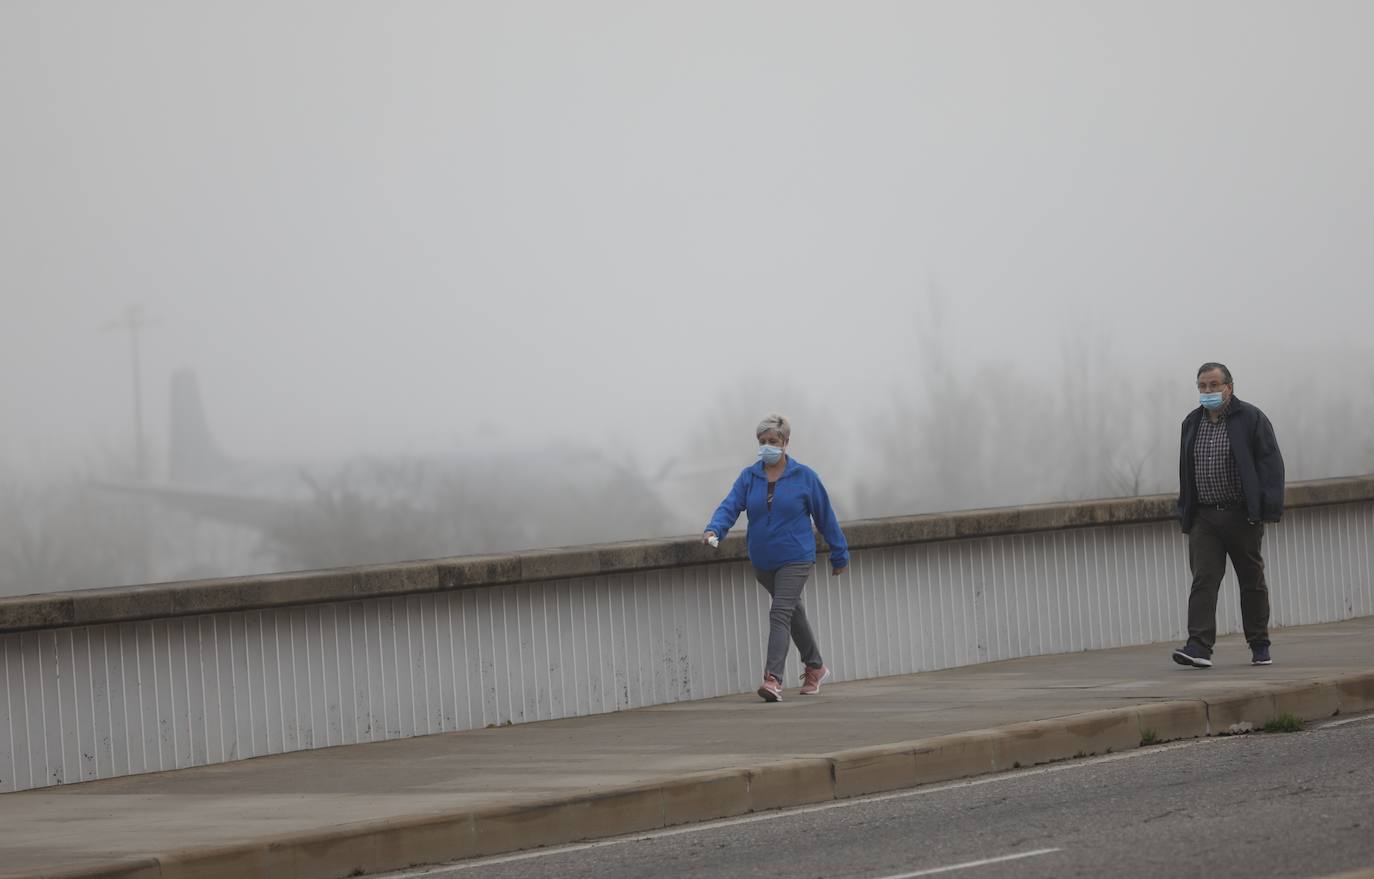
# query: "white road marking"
{"points": [[964, 866], [800, 810], [1330, 723]]}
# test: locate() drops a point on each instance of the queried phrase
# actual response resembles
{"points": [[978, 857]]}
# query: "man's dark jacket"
{"points": [[1257, 458]]}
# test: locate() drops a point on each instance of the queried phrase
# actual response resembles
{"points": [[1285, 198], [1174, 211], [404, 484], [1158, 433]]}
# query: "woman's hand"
{"points": [[835, 572], [708, 537]]}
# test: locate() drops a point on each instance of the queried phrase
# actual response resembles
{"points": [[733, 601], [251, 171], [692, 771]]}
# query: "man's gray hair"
{"points": [[1209, 366], [777, 423]]}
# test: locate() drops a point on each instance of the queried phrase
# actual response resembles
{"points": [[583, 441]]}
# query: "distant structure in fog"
{"points": [[193, 454], [133, 321], [218, 516]]}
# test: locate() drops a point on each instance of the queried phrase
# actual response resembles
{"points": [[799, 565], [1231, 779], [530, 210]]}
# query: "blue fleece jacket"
{"points": [[782, 535]]}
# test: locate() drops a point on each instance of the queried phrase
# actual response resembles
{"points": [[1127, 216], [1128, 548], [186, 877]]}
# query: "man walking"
{"points": [[1230, 476]]}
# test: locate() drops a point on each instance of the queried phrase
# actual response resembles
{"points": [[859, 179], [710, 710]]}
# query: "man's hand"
{"points": [[835, 572], [708, 537]]}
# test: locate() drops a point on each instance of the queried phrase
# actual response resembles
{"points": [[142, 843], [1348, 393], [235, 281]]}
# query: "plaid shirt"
{"points": [[1214, 466]]}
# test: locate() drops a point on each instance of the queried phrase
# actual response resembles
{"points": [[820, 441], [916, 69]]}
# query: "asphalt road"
{"points": [[1258, 805]]}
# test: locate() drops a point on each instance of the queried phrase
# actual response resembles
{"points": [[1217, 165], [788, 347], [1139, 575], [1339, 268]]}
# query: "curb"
{"points": [[398, 843]]}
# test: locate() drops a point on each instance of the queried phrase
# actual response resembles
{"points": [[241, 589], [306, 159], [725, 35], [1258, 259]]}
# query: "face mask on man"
{"points": [[1211, 401], [770, 455]]}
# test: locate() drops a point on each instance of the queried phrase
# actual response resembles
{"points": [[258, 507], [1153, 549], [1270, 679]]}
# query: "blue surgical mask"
{"points": [[770, 454], [1211, 401]]}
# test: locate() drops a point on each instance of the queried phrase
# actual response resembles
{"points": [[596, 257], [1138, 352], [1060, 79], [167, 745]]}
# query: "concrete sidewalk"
{"points": [[341, 811]]}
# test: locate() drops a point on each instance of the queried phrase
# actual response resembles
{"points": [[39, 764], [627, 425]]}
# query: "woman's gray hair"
{"points": [[775, 422]]}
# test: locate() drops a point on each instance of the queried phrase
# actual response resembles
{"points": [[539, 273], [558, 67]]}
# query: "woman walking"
{"points": [[783, 497]]}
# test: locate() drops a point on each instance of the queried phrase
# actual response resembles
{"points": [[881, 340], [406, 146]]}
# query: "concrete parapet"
{"points": [[132, 603], [478, 570], [559, 564], [27, 612]]}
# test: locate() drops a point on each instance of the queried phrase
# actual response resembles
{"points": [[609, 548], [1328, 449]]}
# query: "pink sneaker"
{"points": [[771, 691], [812, 679]]}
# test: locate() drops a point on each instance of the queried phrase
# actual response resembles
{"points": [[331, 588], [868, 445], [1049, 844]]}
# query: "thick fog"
{"points": [[423, 279]]}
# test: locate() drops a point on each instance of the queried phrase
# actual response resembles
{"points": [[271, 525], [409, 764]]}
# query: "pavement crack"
{"points": [[988, 804]]}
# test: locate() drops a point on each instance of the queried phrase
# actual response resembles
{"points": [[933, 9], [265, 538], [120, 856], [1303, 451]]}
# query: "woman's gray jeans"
{"points": [[787, 617]]}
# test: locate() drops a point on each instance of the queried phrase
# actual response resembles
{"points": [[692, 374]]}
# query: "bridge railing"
{"points": [[108, 682]]}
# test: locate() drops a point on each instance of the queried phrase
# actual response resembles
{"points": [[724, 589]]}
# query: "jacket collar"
{"points": [[793, 465]]}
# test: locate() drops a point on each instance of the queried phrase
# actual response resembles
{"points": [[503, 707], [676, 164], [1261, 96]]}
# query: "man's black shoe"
{"points": [[1191, 654]]}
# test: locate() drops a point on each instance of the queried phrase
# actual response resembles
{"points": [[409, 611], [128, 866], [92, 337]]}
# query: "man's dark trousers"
{"points": [[1217, 534]]}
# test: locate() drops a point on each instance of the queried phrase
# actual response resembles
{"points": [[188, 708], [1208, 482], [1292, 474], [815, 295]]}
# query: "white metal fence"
{"points": [[105, 700]]}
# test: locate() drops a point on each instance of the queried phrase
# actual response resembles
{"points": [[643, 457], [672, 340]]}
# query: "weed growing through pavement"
{"points": [[1285, 722], [1148, 738]]}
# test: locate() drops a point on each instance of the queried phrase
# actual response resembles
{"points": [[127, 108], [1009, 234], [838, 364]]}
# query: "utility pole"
{"points": [[133, 321]]}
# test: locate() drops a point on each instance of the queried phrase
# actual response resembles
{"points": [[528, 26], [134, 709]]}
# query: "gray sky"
{"points": [[402, 226]]}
